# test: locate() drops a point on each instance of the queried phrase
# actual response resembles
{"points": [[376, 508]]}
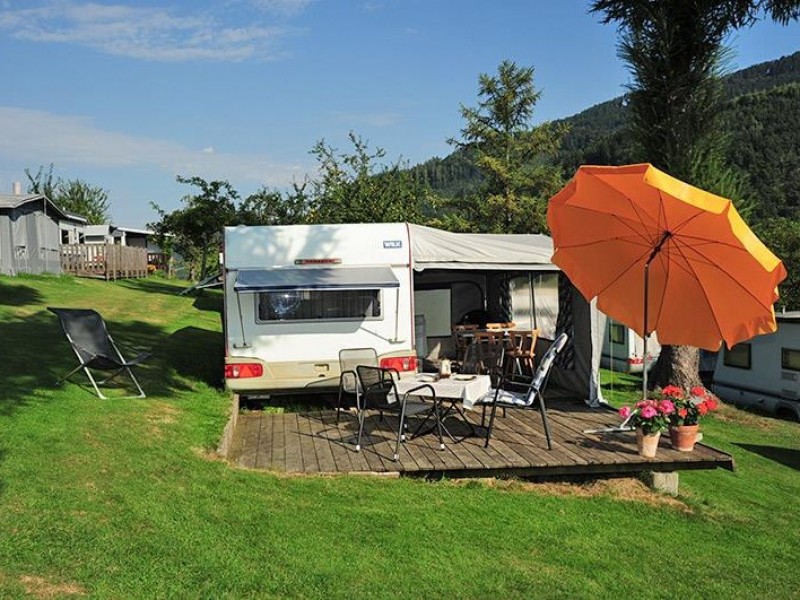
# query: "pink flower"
{"points": [[625, 412], [648, 412], [666, 407]]}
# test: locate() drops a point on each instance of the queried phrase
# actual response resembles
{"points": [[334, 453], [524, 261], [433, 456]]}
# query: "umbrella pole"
{"points": [[646, 334], [666, 235]]}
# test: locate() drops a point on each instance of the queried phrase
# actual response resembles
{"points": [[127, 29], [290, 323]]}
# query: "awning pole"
{"points": [[241, 320]]}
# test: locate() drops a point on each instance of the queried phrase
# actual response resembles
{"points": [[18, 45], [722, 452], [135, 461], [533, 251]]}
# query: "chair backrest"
{"points": [[349, 359], [87, 333], [377, 387], [483, 359], [496, 336], [542, 373], [524, 341]]}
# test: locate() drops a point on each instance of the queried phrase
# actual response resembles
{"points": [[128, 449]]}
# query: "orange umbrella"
{"points": [[662, 256]]}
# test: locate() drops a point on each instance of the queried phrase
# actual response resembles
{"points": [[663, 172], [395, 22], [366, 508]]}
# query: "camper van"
{"points": [[296, 295], [764, 372], [623, 349]]}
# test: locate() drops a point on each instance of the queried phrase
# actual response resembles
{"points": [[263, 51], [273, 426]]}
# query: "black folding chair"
{"points": [[92, 344], [516, 392], [379, 392]]}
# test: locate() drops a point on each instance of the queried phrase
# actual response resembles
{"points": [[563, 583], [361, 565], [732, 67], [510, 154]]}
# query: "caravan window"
{"points": [[790, 359], [738, 356], [317, 305], [616, 333]]}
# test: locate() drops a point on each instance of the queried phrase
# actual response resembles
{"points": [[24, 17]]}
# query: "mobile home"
{"points": [[764, 372], [623, 349], [296, 295]]}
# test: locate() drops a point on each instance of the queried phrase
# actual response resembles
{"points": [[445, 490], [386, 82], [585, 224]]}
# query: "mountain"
{"points": [[763, 119]]}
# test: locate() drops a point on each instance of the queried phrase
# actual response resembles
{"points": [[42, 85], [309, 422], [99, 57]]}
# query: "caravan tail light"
{"points": [[400, 363], [635, 360], [243, 370]]}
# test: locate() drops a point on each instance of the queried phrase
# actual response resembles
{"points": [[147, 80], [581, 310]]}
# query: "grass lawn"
{"points": [[125, 498]]}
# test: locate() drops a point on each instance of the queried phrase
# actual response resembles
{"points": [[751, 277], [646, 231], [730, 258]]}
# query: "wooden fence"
{"points": [[103, 261]]}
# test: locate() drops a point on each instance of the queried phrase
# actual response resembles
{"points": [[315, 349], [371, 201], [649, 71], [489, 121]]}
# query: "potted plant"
{"points": [[650, 418], [684, 422]]}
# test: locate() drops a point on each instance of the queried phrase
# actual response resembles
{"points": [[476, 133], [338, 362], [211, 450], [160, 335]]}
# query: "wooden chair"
{"points": [[490, 337], [503, 325], [522, 351]]}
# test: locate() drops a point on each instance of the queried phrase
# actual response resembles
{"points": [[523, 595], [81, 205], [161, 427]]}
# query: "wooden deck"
{"points": [[313, 443]]}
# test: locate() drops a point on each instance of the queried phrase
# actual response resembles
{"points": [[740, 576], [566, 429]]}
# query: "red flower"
{"points": [[672, 391], [698, 390], [702, 408], [682, 412], [711, 403]]}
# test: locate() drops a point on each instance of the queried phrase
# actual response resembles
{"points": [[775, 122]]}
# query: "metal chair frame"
{"points": [[101, 357]]}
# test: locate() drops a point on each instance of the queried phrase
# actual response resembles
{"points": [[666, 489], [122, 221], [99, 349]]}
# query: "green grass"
{"points": [[125, 499]]}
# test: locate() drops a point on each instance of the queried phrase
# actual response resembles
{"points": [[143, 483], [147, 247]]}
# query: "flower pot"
{"points": [[647, 443], [683, 437]]}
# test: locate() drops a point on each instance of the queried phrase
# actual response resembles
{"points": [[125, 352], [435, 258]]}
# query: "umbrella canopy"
{"points": [[625, 233]]}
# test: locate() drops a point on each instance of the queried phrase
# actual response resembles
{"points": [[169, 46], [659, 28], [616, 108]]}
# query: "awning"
{"points": [[340, 278]]}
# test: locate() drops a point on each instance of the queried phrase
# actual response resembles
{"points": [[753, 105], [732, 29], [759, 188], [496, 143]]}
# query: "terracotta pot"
{"points": [[647, 444], [683, 437]]}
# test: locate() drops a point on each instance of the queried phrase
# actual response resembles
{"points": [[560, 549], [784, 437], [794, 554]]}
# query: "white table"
{"points": [[463, 389], [466, 388]]}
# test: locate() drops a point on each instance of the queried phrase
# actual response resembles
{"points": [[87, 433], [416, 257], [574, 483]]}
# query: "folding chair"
{"points": [[379, 392], [349, 359], [511, 393], [87, 334]]}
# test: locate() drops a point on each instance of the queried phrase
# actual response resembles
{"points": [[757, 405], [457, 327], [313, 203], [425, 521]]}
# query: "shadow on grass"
{"points": [[211, 302], [36, 354], [153, 286], [19, 295], [788, 457]]}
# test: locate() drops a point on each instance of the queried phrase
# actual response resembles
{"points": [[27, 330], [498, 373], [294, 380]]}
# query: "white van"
{"points": [[764, 372], [623, 349]]}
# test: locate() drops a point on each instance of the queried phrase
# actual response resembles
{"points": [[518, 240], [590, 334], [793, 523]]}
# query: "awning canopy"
{"points": [[436, 249], [340, 278]]}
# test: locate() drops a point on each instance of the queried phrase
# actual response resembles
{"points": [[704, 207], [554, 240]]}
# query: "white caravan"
{"points": [[296, 295], [623, 349], [764, 372]]}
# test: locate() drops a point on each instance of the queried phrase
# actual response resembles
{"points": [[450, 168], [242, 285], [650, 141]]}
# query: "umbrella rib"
{"points": [[702, 259], [633, 225]]}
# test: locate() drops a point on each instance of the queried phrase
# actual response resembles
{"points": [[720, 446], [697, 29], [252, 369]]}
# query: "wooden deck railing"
{"points": [[103, 261]]}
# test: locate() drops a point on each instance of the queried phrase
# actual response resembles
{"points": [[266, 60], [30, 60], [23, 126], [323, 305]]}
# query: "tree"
{"points": [[195, 231], [75, 196], [674, 50], [354, 188], [270, 207], [514, 158], [784, 240]]}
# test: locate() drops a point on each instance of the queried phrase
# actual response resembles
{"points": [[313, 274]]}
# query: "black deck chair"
{"points": [[89, 338]]}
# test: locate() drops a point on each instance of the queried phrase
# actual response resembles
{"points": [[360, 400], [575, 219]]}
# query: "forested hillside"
{"points": [[763, 117]]}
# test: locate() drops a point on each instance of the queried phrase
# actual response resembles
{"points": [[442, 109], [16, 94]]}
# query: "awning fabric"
{"points": [[436, 249], [340, 278]]}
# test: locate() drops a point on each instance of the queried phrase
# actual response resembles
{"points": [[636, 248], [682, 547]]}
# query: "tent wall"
{"points": [[577, 370], [30, 240]]}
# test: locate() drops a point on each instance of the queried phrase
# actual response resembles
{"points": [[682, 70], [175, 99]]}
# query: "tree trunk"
{"points": [[676, 365]]}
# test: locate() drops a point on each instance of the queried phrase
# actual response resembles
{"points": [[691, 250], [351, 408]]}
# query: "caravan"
{"points": [[764, 372], [623, 349], [296, 295]]}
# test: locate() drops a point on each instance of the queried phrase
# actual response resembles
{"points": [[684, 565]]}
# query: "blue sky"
{"points": [[127, 95]]}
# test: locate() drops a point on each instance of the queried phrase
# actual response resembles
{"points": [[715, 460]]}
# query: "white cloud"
{"points": [[39, 137], [156, 34], [282, 7]]}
